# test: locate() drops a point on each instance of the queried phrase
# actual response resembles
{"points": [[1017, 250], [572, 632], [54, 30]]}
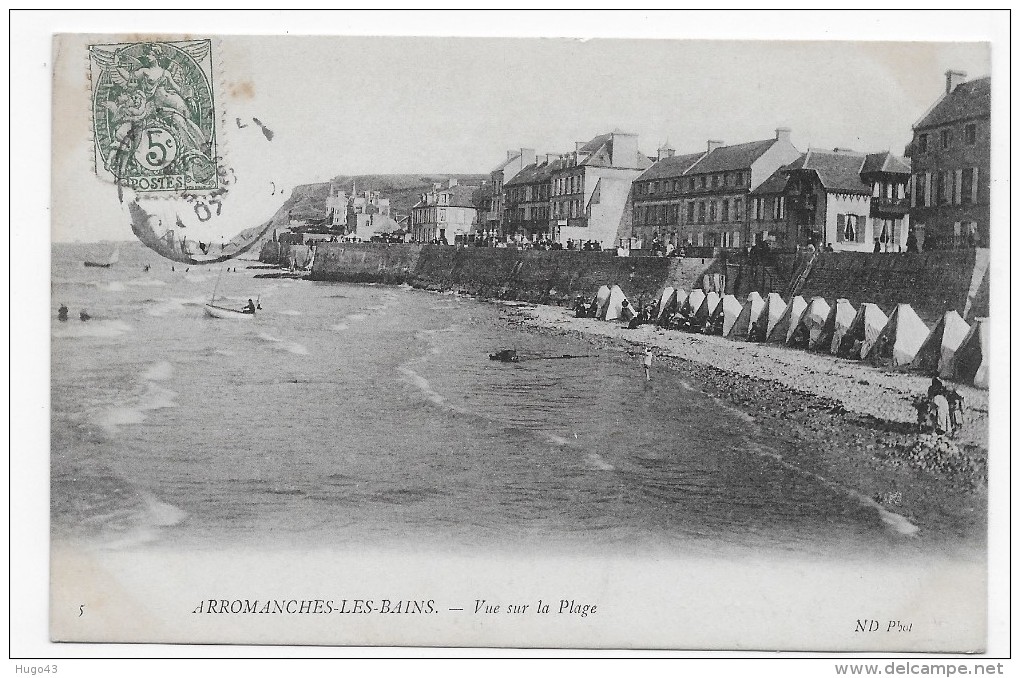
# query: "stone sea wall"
{"points": [[931, 282]]}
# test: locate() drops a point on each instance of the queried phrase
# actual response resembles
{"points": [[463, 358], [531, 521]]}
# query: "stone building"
{"points": [[951, 162], [493, 220], [369, 215], [656, 199], [590, 189], [445, 214], [715, 190], [767, 212], [527, 206], [846, 199]]}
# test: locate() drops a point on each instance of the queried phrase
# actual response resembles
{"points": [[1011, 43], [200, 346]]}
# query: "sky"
{"points": [[430, 104]]}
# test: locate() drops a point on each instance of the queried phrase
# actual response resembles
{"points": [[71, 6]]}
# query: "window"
{"points": [[701, 212], [739, 180], [942, 190], [947, 138], [876, 190], [967, 186], [737, 213], [692, 184], [711, 211], [970, 134], [919, 190], [704, 181], [715, 181], [676, 185], [651, 187], [922, 143], [725, 210], [849, 228], [690, 212]]}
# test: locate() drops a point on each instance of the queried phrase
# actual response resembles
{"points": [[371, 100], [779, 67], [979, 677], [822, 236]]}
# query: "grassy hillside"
{"points": [[308, 201]]}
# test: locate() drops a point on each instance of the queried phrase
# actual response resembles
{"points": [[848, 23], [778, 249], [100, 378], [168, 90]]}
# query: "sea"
{"points": [[369, 415]]}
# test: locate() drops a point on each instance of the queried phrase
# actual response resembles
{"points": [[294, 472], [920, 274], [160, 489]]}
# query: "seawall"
{"points": [[931, 282]]}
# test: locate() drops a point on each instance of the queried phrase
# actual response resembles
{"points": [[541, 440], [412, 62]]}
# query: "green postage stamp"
{"points": [[154, 115]]}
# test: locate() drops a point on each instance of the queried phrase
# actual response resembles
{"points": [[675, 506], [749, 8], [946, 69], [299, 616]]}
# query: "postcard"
{"points": [[517, 342]]}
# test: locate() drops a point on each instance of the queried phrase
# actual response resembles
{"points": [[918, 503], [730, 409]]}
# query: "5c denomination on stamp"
{"points": [[154, 115]]}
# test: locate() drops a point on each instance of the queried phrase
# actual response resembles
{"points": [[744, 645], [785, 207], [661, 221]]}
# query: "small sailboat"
{"points": [[114, 258], [222, 312]]}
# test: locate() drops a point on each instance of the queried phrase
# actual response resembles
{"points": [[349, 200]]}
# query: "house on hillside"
{"points": [[590, 189], [368, 216], [848, 200], [950, 158], [445, 215]]}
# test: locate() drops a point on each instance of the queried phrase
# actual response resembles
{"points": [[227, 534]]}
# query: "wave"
{"points": [[289, 312], [340, 327], [160, 371], [356, 316], [101, 329], [893, 521], [146, 282], [594, 460], [268, 337], [296, 348], [113, 286]]}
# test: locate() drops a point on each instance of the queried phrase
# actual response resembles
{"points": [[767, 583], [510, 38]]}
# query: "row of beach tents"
{"points": [[953, 349]]}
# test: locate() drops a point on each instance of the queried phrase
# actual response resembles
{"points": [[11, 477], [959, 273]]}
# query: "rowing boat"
{"points": [[226, 313]]}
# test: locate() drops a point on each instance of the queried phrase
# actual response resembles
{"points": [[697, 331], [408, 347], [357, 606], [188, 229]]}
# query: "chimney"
{"points": [[527, 157], [783, 134], [624, 149], [509, 155], [954, 78], [665, 151], [714, 144], [578, 145], [549, 157], [453, 182]]}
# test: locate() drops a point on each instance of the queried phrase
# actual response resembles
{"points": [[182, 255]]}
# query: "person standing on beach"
{"points": [[648, 363]]}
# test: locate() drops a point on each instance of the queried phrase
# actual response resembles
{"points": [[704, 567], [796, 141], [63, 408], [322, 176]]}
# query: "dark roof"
{"points": [[774, 184], [837, 170], [673, 166], [534, 173], [737, 157], [460, 196], [596, 143], [971, 99], [885, 162]]}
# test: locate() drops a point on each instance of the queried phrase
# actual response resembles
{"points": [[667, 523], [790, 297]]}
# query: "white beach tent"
{"points": [[770, 315], [900, 339], [753, 307], [615, 307], [970, 363], [808, 328], [693, 302], [863, 332], [841, 316], [705, 310], [601, 301], [936, 353], [666, 301], [787, 323], [729, 308]]}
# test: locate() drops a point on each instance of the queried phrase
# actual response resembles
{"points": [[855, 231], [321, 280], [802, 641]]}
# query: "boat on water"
{"points": [[223, 313], [507, 355], [114, 258]]}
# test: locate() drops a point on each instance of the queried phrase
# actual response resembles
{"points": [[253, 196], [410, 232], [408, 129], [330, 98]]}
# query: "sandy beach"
{"points": [[844, 421]]}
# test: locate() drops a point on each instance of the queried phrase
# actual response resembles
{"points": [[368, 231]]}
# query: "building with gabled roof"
{"points": [[492, 220], [715, 189], [950, 155], [590, 189], [445, 215], [846, 199], [657, 205], [526, 198]]}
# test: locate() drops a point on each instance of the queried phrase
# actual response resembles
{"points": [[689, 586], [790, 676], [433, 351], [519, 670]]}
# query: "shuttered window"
{"points": [[840, 227]]}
